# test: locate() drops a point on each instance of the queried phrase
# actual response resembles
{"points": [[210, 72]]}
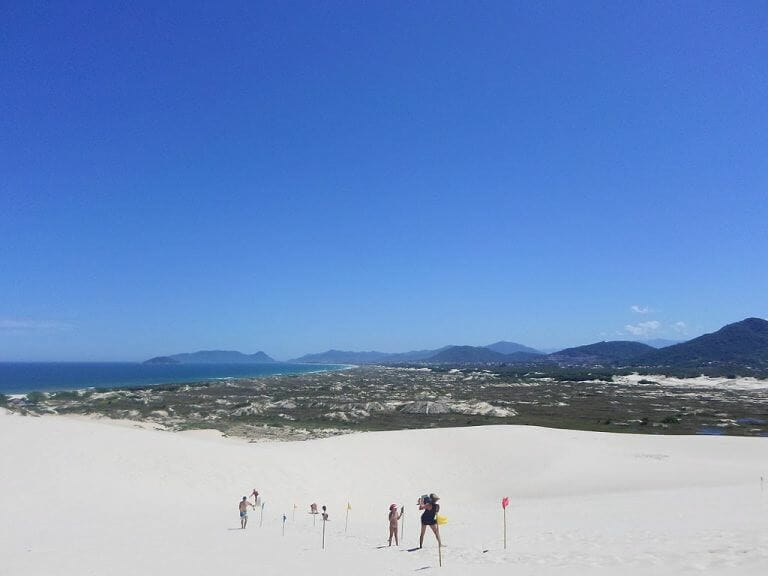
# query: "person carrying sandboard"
{"points": [[429, 517]]}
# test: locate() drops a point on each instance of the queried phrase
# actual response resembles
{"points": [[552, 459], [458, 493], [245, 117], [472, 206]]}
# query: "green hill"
{"points": [[505, 347], [467, 355], [611, 352], [742, 343]]}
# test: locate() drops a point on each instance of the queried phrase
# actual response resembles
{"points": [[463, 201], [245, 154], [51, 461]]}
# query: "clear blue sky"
{"points": [[291, 177]]}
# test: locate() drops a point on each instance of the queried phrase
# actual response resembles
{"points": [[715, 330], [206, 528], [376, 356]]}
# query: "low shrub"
{"points": [[35, 397]]}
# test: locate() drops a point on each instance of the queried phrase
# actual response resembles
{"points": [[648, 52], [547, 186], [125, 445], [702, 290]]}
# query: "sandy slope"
{"points": [[85, 497]]}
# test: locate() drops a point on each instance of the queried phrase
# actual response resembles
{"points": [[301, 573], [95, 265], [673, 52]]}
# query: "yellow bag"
{"points": [[441, 520]]}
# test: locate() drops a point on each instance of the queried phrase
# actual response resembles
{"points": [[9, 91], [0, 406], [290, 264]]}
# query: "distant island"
{"points": [[162, 360], [213, 357]]}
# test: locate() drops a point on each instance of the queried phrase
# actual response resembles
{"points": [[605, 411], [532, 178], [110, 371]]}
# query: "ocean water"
{"points": [[22, 377]]}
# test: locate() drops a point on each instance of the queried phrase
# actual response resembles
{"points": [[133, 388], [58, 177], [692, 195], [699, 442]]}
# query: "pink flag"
{"points": [[504, 502]]}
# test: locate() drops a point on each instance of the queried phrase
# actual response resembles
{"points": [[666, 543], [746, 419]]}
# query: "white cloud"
{"points": [[15, 324], [680, 327], [643, 328], [640, 309]]}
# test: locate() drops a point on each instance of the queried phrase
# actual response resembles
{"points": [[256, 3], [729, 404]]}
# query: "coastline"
{"points": [[26, 377]]}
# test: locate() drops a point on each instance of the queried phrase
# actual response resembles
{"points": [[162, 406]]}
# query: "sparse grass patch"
{"points": [[372, 398], [35, 398]]}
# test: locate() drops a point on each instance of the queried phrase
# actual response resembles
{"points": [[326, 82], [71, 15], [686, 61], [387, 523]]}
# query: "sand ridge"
{"points": [[82, 497]]}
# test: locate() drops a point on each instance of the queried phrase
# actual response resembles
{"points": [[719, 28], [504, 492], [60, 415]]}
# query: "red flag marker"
{"points": [[504, 504]]}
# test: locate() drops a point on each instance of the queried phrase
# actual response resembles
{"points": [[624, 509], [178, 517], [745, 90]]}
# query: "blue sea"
{"points": [[22, 377]]}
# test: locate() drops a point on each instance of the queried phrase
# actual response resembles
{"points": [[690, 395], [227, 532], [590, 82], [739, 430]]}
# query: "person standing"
{"points": [[255, 495], [394, 516], [243, 507], [429, 517]]}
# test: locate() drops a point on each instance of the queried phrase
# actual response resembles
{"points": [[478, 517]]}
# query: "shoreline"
{"points": [[8, 389]]}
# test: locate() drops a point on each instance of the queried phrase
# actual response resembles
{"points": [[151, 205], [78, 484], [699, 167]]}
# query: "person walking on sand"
{"points": [[255, 495], [243, 507], [429, 517], [393, 518]]}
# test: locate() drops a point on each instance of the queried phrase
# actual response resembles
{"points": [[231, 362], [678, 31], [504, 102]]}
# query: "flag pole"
{"points": [[261, 519], [402, 526], [504, 504], [505, 528]]}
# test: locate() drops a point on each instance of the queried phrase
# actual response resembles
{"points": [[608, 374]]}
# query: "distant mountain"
{"points": [[742, 343], [372, 357], [212, 357], [162, 360], [524, 357], [504, 347], [343, 357], [613, 352], [466, 355], [412, 356], [661, 342], [444, 355]]}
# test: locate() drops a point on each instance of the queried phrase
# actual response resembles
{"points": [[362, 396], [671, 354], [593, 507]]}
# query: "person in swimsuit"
{"points": [[429, 517], [243, 507], [393, 518], [255, 495]]}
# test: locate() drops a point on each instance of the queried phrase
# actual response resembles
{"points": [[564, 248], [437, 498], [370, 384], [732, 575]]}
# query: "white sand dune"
{"points": [[84, 497]]}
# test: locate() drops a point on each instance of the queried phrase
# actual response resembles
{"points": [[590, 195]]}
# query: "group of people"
{"points": [[427, 503]]}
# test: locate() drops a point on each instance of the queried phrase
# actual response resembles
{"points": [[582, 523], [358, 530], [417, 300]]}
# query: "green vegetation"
{"points": [[35, 398], [372, 398], [66, 395]]}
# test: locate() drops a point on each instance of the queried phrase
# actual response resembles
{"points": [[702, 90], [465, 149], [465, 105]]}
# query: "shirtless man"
{"points": [[243, 507]]}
